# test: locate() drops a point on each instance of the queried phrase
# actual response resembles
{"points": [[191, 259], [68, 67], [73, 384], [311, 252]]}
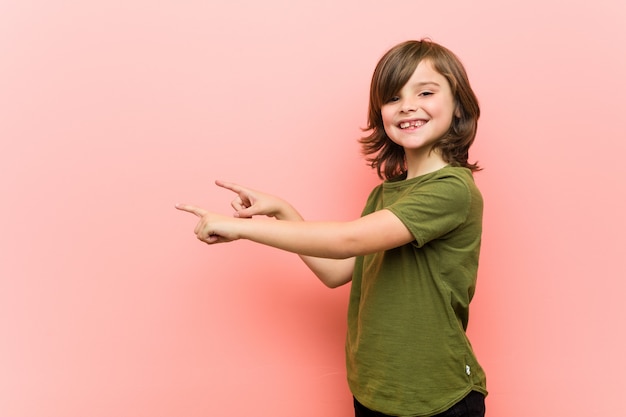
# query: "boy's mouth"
{"points": [[412, 123]]}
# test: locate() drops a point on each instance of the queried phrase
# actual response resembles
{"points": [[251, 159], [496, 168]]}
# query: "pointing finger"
{"points": [[191, 209], [229, 186]]}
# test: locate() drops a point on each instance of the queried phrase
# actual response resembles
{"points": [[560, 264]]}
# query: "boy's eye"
{"points": [[426, 93], [393, 99]]}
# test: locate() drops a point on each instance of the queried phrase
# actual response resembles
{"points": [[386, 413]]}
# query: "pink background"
{"points": [[113, 111]]}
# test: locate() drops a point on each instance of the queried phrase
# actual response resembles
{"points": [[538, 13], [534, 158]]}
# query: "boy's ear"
{"points": [[457, 113]]}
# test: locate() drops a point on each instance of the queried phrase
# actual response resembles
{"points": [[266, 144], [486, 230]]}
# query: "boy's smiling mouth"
{"points": [[412, 123]]}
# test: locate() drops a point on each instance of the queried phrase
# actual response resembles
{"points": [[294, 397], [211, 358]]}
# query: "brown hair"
{"points": [[393, 71]]}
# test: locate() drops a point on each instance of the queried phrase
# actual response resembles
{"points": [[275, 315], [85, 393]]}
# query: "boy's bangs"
{"points": [[393, 77]]}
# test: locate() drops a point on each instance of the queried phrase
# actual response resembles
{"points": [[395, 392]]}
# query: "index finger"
{"points": [[191, 209], [230, 186]]}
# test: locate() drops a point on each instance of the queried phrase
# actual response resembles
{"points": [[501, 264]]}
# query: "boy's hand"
{"points": [[212, 228], [250, 202]]}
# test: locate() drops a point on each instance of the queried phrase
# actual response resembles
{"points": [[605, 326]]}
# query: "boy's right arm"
{"points": [[332, 272]]}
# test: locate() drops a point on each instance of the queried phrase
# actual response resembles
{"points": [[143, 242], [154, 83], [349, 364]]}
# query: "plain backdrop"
{"points": [[113, 111]]}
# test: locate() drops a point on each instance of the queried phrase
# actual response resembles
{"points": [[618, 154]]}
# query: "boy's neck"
{"points": [[424, 163]]}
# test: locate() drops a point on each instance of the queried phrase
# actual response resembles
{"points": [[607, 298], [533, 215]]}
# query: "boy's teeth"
{"points": [[416, 123]]}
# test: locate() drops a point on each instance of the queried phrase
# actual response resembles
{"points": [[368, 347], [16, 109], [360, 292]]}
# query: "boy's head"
{"points": [[393, 71]]}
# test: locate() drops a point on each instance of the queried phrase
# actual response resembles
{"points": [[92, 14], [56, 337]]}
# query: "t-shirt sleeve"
{"points": [[432, 209]]}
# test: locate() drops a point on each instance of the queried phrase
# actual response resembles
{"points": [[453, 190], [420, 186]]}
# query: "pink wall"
{"points": [[113, 111]]}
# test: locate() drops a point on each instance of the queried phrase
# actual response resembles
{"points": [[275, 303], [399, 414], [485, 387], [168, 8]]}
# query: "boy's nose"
{"points": [[408, 106]]}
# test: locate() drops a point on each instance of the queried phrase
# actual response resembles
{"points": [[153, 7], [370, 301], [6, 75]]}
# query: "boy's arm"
{"points": [[327, 248], [375, 232], [332, 272]]}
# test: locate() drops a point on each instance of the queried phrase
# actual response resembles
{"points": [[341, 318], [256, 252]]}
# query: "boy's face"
{"points": [[422, 111]]}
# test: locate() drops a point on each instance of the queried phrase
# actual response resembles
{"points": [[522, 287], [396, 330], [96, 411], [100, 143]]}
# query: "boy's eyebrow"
{"points": [[424, 83]]}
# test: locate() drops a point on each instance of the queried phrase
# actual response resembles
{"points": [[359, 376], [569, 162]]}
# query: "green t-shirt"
{"points": [[407, 352]]}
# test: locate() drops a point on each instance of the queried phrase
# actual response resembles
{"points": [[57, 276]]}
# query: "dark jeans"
{"points": [[473, 405]]}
